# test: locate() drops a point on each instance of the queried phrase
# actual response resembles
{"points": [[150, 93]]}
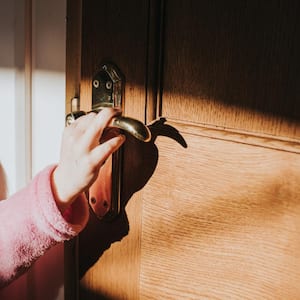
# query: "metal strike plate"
{"points": [[104, 194]]}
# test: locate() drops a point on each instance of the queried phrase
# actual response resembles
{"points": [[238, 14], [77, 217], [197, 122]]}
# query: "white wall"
{"points": [[7, 95], [48, 82], [30, 144]]}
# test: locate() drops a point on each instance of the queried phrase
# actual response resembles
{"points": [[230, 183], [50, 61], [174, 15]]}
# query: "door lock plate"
{"points": [[107, 87], [105, 193], [107, 91]]}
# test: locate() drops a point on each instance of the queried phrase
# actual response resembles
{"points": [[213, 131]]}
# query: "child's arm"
{"points": [[53, 208], [31, 223]]}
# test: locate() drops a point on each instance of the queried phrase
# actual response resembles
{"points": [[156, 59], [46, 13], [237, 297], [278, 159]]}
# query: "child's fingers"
{"points": [[100, 153], [78, 128], [84, 120], [108, 133], [98, 124]]}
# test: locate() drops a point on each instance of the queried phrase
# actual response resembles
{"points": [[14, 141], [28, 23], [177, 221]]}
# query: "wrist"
{"points": [[61, 197]]}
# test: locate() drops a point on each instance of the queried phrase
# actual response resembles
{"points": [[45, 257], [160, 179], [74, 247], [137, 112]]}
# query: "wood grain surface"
{"points": [[73, 51], [233, 64], [221, 221]]}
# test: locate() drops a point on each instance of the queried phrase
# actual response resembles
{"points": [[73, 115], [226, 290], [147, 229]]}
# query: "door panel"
{"points": [[210, 207], [229, 226], [233, 64]]}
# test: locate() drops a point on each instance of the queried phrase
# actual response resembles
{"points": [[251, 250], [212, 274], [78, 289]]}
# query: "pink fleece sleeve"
{"points": [[30, 223]]}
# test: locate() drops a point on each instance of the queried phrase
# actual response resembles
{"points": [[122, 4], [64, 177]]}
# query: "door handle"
{"points": [[133, 126], [104, 196]]}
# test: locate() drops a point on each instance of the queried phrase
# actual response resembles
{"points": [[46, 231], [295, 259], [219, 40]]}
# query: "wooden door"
{"points": [[211, 206]]}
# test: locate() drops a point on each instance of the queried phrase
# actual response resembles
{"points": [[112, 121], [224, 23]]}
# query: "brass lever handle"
{"points": [[134, 127]]}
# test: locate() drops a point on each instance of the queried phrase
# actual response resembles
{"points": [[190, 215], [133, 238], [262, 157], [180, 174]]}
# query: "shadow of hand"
{"points": [[140, 161]]}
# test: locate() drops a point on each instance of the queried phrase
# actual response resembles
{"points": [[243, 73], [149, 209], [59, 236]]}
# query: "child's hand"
{"points": [[82, 156]]}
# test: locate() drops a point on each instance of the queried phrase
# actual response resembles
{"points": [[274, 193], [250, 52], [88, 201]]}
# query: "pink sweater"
{"points": [[30, 223]]}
